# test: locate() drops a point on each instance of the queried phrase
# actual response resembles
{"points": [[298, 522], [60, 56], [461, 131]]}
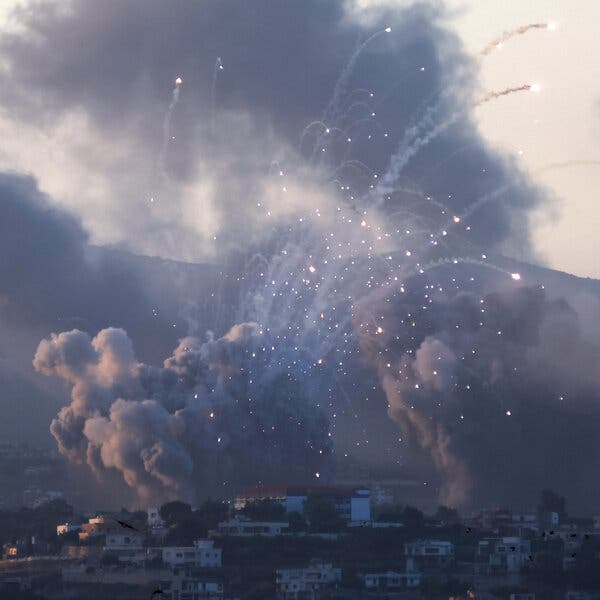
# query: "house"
{"points": [[202, 554], [96, 526], [503, 556], [351, 503], [119, 540], [430, 553], [67, 528], [309, 582], [184, 584], [242, 527], [392, 580]]}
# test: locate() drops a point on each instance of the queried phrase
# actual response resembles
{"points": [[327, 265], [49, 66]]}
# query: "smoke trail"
{"points": [[342, 82], [167, 128], [213, 89], [411, 147], [528, 87], [507, 35]]}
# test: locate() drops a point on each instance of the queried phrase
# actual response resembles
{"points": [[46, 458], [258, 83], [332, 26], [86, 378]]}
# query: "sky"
{"points": [[247, 241], [561, 124]]}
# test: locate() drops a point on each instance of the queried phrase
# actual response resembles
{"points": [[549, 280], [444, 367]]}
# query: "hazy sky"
{"points": [[560, 124], [316, 246]]}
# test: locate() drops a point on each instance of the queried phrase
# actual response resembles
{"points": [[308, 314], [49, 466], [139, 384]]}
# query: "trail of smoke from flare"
{"points": [[506, 92], [167, 128], [507, 35]]}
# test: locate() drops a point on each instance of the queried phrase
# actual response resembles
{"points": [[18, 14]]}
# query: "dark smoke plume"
{"points": [[218, 412]]}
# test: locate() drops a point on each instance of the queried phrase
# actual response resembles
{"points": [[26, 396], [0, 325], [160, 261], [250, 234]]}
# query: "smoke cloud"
{"points": [[479, 382], [220, 412]]}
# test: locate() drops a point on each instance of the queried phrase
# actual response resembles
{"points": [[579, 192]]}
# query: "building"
{"points": [[67, 528], [430, 553], [202, 554], [184, 584], [243, 527], [309, 582], [154, 519], [124, 540], [503, 556], [351, 503], [95, 526], [392, 580]]}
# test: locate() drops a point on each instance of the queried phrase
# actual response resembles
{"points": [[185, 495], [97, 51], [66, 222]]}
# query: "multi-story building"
{"points": [[393, 580], [352, 503], [120, 540], [309, 582], [502, 556], [185, 584], [242, 527], [430, 553], [202, 554]]}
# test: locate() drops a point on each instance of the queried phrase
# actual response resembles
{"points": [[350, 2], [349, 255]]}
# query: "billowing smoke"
{"points": [[485, 385], [220, 412]]}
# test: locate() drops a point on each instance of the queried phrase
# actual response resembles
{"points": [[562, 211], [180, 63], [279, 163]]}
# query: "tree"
{"points": [[212, 512], [190, 526], [552, 502], [412, 518], [447, 515], [321, 514], [297, 522], [264, 510], [174, 512]]}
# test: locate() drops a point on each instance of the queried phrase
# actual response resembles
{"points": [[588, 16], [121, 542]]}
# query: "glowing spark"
{"points": [[389, 29], [312, 269], [178, 81], [515, 276]]}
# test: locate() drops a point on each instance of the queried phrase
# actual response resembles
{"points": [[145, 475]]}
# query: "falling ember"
{"points": [[535, 87], [552, 26], [178, 81], [456, 219], [211, 414], [312, 269], [515, 276], [379, 330], [389, 29]]}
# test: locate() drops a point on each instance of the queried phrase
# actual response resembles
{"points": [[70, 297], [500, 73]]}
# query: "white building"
{"points": [[154, 519], [293, 584], [186, 586], [202, 554], [430, 553], [504, 555], [352, 504], [392, 580], [116, 541], [242, 527]]}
